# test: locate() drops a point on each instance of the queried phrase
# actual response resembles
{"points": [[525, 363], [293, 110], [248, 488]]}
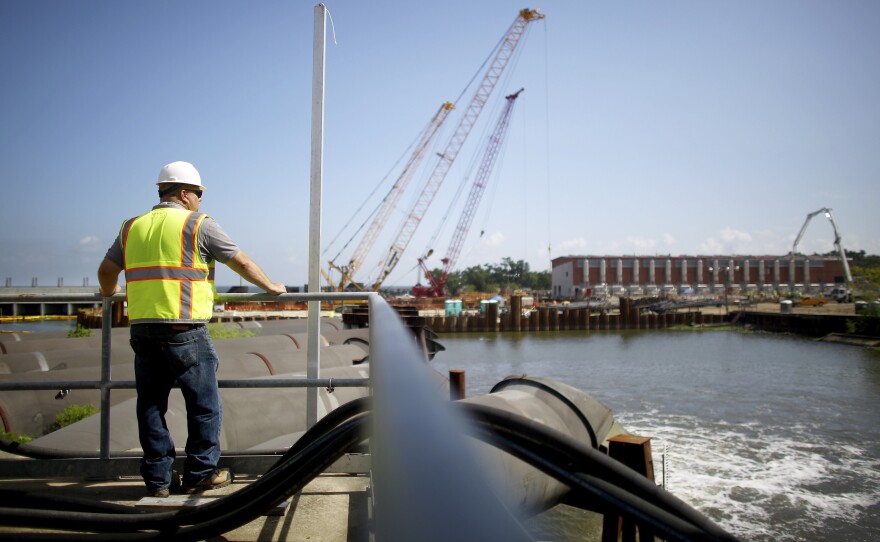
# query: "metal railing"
{"points": [[101, 466]]}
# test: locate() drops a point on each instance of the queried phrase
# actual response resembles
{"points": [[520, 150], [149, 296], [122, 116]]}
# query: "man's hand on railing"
{"points": [[116, 290], [277, 289]]}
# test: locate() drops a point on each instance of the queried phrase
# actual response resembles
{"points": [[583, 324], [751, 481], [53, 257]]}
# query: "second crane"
{"points": [[437, 285]]}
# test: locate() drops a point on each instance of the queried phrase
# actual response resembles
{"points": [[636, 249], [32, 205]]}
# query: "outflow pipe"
{"points": [[559, 407]]}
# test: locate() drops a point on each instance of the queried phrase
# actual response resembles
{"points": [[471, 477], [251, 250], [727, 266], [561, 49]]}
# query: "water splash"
{"points": [[764, 482]]}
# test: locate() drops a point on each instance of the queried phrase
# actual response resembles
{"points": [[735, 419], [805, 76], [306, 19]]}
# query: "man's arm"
{"points": [[242, 264], [108, 274]]}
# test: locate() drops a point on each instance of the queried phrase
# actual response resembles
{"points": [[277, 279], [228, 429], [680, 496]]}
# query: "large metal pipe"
{"points": [[121, 353], [251, 417], [558, 406], [296, 340], [45, 345], [260, 327], [11, 343], [55, 360], [33, 412]]}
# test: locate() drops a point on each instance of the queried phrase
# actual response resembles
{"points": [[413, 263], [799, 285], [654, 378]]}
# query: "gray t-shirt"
{"points": [[214, 244]]}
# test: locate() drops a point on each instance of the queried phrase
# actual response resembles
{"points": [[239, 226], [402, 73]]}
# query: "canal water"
{"points": [[772, 436], [35, 326]]}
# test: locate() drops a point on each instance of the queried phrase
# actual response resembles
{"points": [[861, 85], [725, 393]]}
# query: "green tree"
{"points": [[865, 261], [478, 278], [509, 273]]}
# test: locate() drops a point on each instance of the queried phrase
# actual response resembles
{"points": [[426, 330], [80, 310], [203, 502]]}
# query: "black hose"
{"points": [[210, 519], [555, 448], [29, 499], [585, 470], [24, 499], [615, 500], [559, 396], [333, 418]]}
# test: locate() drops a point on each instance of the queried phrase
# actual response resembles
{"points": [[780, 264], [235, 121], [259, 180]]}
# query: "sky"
{"points": [[648, 128]]}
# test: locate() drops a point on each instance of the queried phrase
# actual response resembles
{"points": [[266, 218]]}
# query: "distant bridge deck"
{"points": [[41, 305]]}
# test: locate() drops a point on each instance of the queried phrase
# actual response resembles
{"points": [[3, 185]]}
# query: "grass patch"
{"points": [[15, 437], [220, 331], [80, 331], [73, 414]]}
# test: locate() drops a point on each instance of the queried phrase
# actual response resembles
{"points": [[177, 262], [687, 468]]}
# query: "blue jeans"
{"points": [[165, 354]]}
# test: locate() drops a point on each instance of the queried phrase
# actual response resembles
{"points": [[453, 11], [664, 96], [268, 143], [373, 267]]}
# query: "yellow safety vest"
{"points": [[167, 280]]}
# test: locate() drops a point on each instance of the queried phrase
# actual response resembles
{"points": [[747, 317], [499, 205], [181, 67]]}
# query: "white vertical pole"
{"points": [[313, 369]]}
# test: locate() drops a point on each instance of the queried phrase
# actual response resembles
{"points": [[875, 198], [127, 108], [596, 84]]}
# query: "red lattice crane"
{"points": [[437, 287], [447, 157]]}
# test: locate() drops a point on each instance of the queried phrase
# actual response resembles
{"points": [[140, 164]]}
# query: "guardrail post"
{"points": [[106, 327], [315, 189]]}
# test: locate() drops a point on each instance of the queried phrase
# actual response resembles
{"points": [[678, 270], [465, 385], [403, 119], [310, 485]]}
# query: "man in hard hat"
{"points": [[168, 256]]}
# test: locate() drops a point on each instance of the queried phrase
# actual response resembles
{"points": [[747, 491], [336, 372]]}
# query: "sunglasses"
{"points": [[198, 193]]}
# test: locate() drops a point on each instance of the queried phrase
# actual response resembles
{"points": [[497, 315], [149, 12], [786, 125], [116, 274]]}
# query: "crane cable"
{"points": [[405, 153], [487, 129], [547, 195], [457, 100]]}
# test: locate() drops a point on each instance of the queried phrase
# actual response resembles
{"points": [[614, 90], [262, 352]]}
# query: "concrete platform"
{"points": [[333, 507]]}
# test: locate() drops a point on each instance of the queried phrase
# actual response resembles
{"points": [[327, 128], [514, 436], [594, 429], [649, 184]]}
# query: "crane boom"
{"points": [[438, 285], [837, 241], [391, 199], [481, 96]]}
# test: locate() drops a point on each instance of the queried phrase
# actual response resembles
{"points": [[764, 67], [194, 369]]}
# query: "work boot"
{"points": [[165, 492], [220, 478]]}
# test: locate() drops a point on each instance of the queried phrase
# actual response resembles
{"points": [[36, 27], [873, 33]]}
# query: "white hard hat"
{"points": [[181, 173]]}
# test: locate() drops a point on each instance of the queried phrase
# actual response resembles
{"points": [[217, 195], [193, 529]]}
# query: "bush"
{"points": [[868, 324], [80, 331], [15, 437], [73, 414]]}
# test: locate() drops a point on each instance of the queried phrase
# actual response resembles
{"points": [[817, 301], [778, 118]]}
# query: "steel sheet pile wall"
{"points": [[565, 318]]}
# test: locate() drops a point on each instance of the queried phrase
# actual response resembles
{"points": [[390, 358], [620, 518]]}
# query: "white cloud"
{"points": [[493, 240], [732, 235], [90, 244], [732, 241], [711, 246], [641, 244], [668, 239], [578, 244]]}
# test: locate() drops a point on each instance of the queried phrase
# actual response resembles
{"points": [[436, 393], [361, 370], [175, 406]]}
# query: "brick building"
{"points": [[582, 276]]}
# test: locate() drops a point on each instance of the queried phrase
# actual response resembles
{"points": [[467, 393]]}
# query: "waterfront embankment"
{"points": [[813, 321]]}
